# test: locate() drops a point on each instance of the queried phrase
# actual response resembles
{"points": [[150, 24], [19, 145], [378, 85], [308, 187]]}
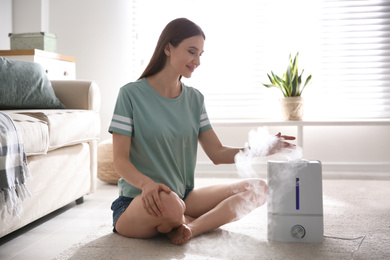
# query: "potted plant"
{"points": [[291, 86]]}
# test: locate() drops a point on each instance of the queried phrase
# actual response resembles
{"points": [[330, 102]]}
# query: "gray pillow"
{"points": [[25, 85]]}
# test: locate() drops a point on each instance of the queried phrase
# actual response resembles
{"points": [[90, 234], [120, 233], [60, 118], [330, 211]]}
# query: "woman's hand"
{"points": [[282, 144], [151, 197]]}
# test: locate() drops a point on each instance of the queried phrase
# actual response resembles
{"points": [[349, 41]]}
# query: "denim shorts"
{"points": [[120, 205]]}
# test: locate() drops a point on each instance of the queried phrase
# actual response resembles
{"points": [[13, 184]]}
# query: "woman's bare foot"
{"points": [[188, 219], [180, 235]]}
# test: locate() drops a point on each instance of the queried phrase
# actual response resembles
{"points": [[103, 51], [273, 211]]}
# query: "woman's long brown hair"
{"points": [[174, 33]]}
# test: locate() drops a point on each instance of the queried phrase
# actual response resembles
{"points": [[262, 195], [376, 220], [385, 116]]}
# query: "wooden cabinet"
{"points": [[57, 66]]}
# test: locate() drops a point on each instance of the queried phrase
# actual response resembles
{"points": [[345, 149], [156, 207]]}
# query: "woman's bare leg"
{"points": [[135, 222], [205, 209], [213, 206]]}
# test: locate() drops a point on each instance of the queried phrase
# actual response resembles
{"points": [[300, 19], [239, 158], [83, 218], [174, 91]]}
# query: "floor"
{"points": [[47, 237]]}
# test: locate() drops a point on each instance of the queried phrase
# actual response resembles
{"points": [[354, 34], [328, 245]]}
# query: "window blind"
{"points": [[344, 44], [354, 75]]}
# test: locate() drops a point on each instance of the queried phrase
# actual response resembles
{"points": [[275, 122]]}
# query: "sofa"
{"points": [[60, 142]]}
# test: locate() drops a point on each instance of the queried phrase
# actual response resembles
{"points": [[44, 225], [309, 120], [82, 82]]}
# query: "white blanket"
{"points": [[13, 168]]}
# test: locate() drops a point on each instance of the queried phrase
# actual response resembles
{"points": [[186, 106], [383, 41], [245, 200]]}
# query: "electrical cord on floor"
{"points": [[355, 238]]}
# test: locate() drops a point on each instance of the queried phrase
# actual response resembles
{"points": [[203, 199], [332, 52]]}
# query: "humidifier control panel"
{"points": [[294, 201], [298, 231]]}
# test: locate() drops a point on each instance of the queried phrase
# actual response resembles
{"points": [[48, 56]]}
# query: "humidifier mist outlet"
{"points": [[294, 201]]}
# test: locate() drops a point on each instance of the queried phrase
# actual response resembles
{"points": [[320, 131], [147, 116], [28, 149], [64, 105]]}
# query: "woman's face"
{"points": [[185, 58]]}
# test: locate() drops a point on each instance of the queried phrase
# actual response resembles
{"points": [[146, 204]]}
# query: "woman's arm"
{"points": [[122, 165], [220, 154]]}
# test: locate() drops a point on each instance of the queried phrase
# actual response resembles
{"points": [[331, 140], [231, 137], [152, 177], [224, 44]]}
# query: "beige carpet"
{"points": [[352, 208]]}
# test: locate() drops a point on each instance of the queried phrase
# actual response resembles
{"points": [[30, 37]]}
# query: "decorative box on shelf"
{"points": [[57, 66], [37, 40]]}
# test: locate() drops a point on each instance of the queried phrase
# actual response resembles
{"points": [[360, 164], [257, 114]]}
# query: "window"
{"points": [[354, 67], [344, 44]]}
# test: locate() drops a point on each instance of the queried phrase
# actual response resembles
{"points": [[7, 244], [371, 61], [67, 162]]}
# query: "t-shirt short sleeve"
{"points": [[204, 120], [122, 119]]}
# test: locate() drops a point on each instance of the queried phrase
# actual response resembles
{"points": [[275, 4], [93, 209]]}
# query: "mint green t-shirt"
{"points": [[164, 134]]}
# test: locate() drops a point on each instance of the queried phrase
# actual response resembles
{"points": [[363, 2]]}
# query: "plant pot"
{"points": [[292, 108]]}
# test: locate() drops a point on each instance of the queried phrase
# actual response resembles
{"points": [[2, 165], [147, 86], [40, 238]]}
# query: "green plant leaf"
{"points": [[278, 81], [307, 82], [294, 86], [295, 62], [270, 86], [299, 84], [272, 79]]}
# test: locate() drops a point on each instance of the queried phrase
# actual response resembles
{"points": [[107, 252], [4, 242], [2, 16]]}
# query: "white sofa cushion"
{"points": [[35, 133], [46, 130], [68, 126]]}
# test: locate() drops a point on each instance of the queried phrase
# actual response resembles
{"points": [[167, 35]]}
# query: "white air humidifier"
{"points": [[295, 211]]}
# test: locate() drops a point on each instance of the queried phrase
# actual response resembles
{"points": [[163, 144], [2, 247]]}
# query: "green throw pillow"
{"points": [[25, 85]]}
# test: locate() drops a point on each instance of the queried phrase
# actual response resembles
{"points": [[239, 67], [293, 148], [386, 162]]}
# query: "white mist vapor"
{"points": [[281, 181], [260, 143], [285, 164], [254, 197], [257, 149]]}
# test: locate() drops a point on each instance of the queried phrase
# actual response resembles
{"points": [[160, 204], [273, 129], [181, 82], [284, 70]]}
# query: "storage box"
{"points": [[40, 40]]}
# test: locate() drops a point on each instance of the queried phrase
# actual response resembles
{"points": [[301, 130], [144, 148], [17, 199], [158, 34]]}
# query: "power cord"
{"points": [[355, 238]]}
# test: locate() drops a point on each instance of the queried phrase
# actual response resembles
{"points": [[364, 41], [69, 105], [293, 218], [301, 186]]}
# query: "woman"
{"points": [[157, 124]]}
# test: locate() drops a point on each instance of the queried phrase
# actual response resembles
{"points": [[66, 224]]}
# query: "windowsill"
{"points": [[304, 122]]}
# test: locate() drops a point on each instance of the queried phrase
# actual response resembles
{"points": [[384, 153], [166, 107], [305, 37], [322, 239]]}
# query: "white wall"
{"points": [[5, 23], [30, 16], [98, 34]]}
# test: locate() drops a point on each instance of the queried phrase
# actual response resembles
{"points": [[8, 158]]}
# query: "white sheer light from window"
{"points": [[344, 44], [355, 58]]}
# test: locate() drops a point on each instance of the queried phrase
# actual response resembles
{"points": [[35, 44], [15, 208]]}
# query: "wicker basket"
{"points": [[106, 170]]}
